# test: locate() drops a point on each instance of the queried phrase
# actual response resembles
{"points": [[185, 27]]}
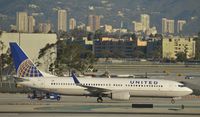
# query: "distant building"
{"points": [[152, 31], [167, 26], [93, 22], [31, 24], [13, 27], [88, 28], [85, 43], [171, 26], [137, 26], [171, 46], [22, 22], [108, 28], [145, 20], [31, 43], [44, 27], [62, 20], [141, 43], [72, 23], [114, 48], [164, 25], [81, 26], [120, 30], [180, 24]]}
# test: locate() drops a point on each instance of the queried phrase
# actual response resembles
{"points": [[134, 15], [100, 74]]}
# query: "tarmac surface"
{"points": [[18, 105], [163, 69]]}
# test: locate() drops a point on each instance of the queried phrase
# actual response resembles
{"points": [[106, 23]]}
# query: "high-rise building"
{"points": [[97, 22], [164, 25], [167, 26], [22, 22], [62, 20], [94, 22], [44, 27], [137, 26], [145, 20], [170, 26], [180, 24], [90, 23], [31, 24], [72, 23]]}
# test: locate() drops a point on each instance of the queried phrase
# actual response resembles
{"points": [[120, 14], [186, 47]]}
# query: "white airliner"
{"points": [[115, 88]]}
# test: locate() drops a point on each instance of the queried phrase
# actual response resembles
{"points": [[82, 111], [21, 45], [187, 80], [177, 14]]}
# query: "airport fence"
{"points": [[10, 87]]}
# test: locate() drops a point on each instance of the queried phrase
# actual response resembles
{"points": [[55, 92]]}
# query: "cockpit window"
{"points": [[181, 85]]}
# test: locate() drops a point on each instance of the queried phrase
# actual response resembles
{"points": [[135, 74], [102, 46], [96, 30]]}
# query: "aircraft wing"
{"points": [[92, 89]]}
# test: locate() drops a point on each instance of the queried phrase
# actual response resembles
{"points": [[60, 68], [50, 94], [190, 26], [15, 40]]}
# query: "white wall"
{"points": [[31, 43]]}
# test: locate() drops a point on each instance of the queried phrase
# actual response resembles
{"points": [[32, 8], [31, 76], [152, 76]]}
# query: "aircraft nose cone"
{"points": [[190, 91]]}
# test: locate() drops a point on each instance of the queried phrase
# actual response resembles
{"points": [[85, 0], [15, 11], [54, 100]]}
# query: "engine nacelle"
{"points": [[120, 95]]}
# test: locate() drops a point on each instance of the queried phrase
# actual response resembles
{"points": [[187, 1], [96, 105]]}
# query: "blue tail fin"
{"points": [[76, 81], [23, 65]]}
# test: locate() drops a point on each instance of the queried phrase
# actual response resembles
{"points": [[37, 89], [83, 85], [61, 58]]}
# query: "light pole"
{"points": [[1, 60]]}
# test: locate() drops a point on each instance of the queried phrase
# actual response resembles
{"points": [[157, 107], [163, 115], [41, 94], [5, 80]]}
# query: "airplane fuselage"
{"points": [[135, 87]]}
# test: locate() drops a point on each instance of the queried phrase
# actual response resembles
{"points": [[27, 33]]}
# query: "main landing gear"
{"points": [[99, 99], [172, 101]]}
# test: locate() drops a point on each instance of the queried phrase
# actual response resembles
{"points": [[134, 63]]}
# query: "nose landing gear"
{"points": [[99, 100], [172, 101]]}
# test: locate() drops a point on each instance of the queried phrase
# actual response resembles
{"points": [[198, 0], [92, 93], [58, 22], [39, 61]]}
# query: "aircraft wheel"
{"points": [[99, 100], [172, 101], [58, 98]]}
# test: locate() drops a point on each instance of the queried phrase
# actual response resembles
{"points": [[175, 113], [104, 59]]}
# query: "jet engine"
{"points": [[120, 95]]}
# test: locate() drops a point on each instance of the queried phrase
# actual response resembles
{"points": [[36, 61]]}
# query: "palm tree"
{"points": [[5, 59]]}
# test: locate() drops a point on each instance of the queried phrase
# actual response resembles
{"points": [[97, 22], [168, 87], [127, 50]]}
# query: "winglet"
{"points": [[76, 81]]}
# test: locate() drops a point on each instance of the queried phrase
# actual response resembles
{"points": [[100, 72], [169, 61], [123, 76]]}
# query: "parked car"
{"points": [[189, 77]]}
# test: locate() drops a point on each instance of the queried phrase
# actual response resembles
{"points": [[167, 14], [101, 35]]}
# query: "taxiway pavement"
{"points": [[20, 105]]}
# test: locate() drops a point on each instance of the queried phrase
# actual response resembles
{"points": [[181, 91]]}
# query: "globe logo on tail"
{"points": [[27, 69]]}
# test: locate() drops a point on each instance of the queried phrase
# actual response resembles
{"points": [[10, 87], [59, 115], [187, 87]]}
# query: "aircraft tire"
{"points": [[172, 101], [99, 100], [58, 98]]}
